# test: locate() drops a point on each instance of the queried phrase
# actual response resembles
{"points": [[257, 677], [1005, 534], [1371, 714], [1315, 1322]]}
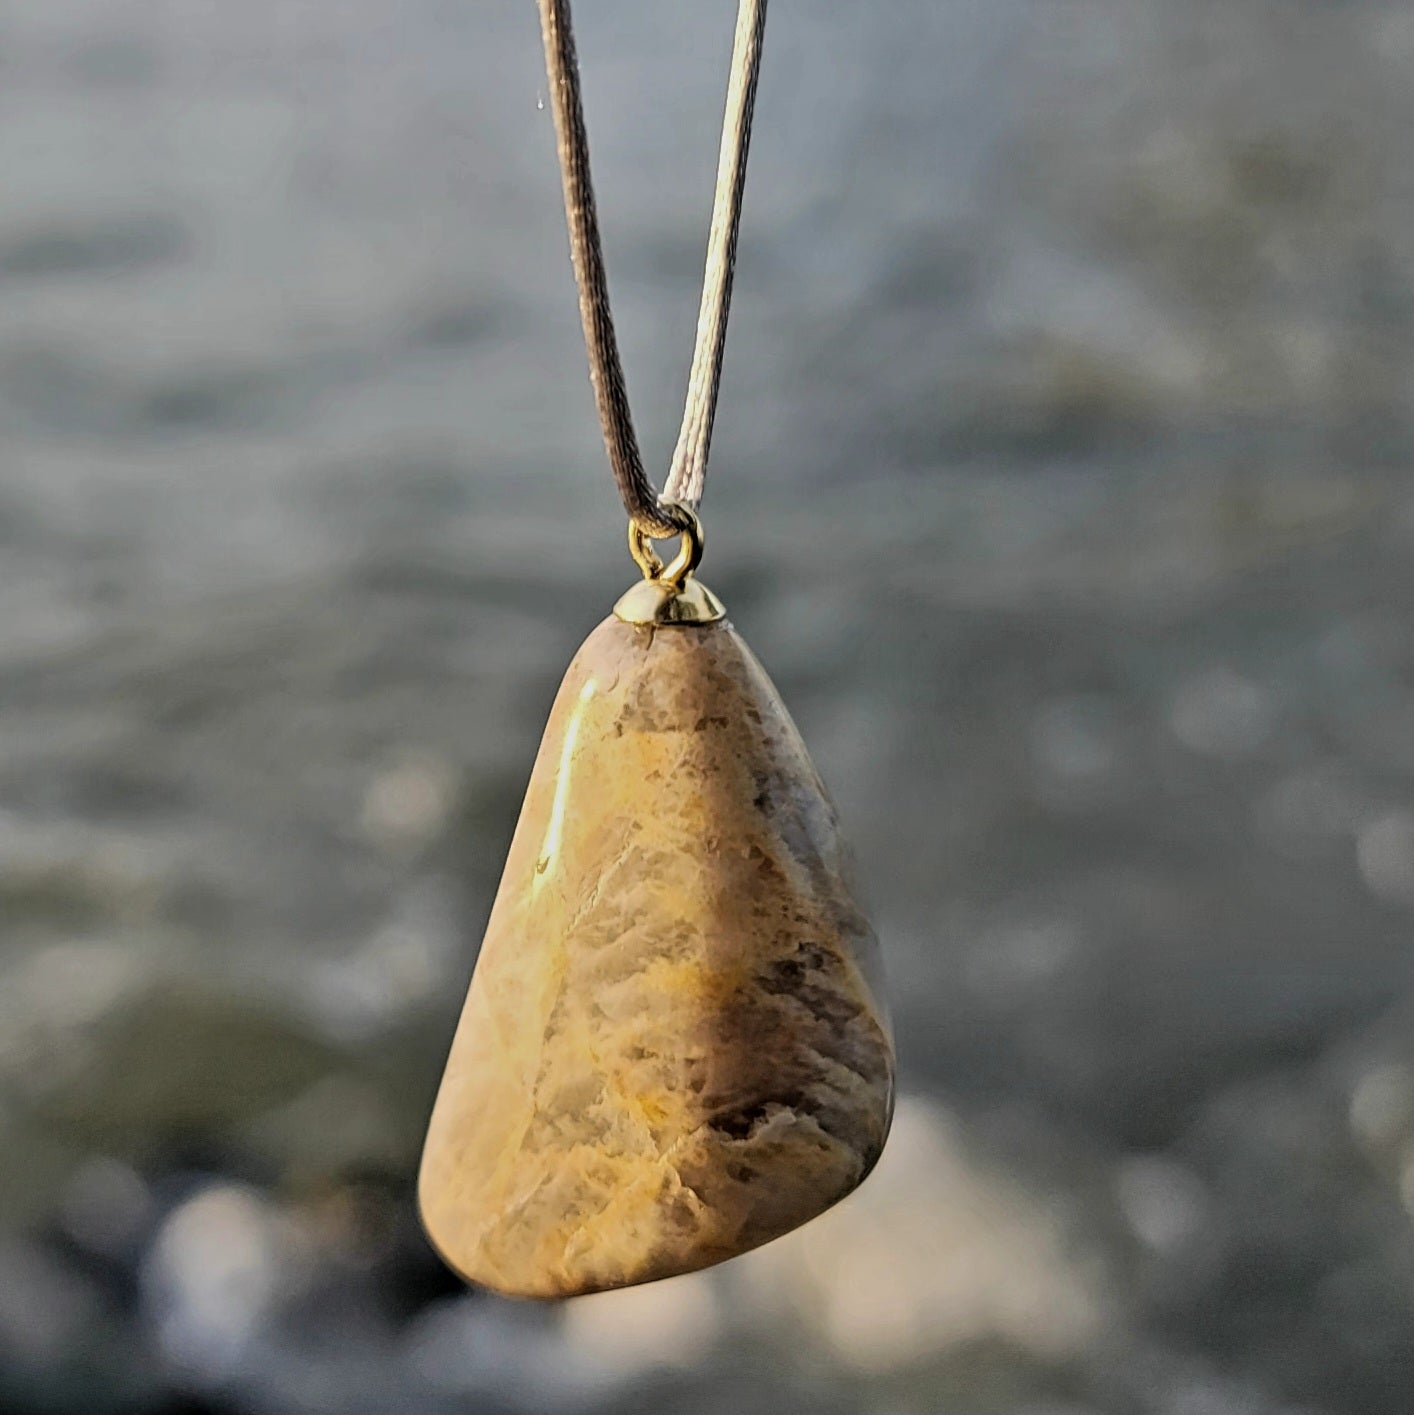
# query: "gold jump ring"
{"points": [[688, 558]]}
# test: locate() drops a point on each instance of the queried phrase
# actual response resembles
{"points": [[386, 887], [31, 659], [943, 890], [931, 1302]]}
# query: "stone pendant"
{"points": [[675, 1045]]}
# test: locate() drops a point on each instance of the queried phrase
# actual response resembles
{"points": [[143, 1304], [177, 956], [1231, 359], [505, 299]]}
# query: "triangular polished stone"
{"points": [[674, 1047]]}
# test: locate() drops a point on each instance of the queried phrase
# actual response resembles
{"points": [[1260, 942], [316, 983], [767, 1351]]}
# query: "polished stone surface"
{"points": [[674, 1047]]}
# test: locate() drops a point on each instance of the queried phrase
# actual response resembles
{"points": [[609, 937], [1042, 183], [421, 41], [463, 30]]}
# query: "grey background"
{"points": [[1061, 480]]}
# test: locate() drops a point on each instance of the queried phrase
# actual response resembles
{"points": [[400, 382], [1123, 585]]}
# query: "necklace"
{"points": [[675, 1046]]}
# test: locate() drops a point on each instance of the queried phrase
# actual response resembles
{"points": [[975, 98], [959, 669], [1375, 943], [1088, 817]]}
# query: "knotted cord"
{"points": [[658, 516]]}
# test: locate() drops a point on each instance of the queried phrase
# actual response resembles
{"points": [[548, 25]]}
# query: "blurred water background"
{"points": [[1062, 482]]}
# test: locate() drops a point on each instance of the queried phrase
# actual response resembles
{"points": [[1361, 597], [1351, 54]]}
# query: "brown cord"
{"points": [[658, 516]]}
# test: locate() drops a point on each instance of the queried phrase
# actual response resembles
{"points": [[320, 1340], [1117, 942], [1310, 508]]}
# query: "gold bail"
{"points": [[669, 595]]}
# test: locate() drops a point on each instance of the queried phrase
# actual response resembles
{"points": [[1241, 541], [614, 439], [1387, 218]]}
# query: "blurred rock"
{"points": [[484, 1349], [662, 1326], [213, 1277], [106, 1208], [937, 1253]]}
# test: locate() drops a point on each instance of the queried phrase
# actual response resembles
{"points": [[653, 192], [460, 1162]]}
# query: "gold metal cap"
{"points": [[666, 604]]}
